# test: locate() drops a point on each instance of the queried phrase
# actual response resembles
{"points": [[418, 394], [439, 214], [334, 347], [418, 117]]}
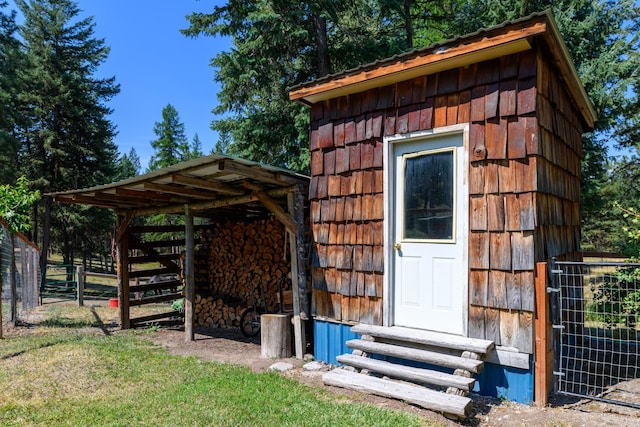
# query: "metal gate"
{"points": [[596, 319]]}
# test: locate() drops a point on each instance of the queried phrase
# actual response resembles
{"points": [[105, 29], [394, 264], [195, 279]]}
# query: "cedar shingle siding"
{"points": [[524, 187]]}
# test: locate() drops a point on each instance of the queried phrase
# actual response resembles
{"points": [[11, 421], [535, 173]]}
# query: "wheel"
{"points": [[250, 322]]}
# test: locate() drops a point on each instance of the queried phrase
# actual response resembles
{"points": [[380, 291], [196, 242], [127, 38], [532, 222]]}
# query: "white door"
{"points": [[430, 278]]}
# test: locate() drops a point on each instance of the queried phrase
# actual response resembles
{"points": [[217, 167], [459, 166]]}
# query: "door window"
{"points": [[429, 196]]}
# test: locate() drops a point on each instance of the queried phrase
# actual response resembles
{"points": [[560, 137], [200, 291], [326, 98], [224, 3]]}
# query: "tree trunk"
{"points": [[322, 46], [408, 24]]}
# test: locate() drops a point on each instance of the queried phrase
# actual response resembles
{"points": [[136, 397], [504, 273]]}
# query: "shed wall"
{"points": [[523, 183]]}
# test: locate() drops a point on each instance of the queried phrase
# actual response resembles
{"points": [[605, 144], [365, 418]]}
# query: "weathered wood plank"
{"points": [[479, 250], [506, 180], [478, 213], [508, 356], [143, 319], [476, 322], [500, 251], [421, 396], [407, 373], [417, 355], [154, 272], [522, 250], [507, 97], [527, 290], [476, 178], [477, 103], [424, 337], [478, 286], [542, 376], [495, 208], [155, 299], [512, 212], [524, 335], [170, 284], [492, 325], [497, 291], [496, 138], [509, 328], [512, 284], [517, 145]]}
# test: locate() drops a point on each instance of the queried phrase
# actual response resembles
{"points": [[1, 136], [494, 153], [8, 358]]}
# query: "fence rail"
{"points": [[596, 312]]}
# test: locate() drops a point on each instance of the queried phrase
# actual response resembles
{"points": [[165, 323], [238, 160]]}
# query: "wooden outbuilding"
{"points": [[439, 178], [252, 213]]}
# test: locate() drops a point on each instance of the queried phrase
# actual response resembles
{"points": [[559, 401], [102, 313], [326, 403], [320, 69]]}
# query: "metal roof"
{"points": [[485, 44], [214, 186]]}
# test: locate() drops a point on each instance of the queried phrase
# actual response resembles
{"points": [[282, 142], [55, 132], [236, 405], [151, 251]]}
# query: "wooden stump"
{"points": [[275, 335]]}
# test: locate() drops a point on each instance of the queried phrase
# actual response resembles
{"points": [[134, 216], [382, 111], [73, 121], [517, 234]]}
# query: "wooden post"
{"points": [[189, 334], [36, 276], [275, 335], [12, 280], [26, 283], [80, 285], [298, 274], [543, 371], [122, 256]]}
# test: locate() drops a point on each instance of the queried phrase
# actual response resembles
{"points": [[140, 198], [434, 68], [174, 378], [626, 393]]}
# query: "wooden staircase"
{"points": [[425, 387]]}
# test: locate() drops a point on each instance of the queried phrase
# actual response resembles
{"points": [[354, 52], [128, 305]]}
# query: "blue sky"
{"points": [[156, 65]]}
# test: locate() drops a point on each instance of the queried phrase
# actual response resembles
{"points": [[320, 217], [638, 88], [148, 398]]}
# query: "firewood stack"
{"points": [[233, 259]]}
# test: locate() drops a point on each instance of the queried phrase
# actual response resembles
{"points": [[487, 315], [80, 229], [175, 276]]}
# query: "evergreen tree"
{"points": [[277, 45], [11, 59], [69, 140], [172, 146], [222, 145], [128, 165], [196, 147]]}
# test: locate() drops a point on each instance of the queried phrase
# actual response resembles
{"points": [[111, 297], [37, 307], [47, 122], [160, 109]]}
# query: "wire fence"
{"points": [[597, 326], [19, 274]]}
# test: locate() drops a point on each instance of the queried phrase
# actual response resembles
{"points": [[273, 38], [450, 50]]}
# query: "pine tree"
{"points": [[278, 45], [69, 141], [196, 147], [172, 146], [11, 59], [128, 165]]}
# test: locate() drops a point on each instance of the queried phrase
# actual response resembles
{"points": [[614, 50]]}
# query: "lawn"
{"points": [[59, 376]]}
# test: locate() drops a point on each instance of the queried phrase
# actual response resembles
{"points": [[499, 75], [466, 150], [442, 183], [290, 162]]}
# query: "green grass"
{"points": [[60, 377]]}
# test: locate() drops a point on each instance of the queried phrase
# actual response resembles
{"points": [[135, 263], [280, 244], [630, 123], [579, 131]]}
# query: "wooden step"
{"points": [[417, 355], [408, 373], [459, 406], [430, 338]]}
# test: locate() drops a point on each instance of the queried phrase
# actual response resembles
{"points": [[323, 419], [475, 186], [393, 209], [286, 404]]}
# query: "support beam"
{"points": [[121, 226], [122, 255], [189, 334], [213, 204], [288, 221], [261, 174], [177, 190], [543, 371], [206, 184], [298, 271]]}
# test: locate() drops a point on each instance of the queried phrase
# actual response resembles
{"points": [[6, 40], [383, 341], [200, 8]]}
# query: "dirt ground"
{"points": [[229, 346]]}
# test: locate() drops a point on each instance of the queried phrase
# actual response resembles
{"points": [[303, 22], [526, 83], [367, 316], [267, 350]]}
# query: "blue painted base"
{"points": [[495, 380]]}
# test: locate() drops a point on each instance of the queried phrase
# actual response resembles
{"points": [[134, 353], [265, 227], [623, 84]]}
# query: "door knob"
{"points": [[397, 246]]}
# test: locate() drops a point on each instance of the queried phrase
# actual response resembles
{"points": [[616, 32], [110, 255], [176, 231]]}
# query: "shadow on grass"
{"points": [[100, 323], [43, 344]]}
